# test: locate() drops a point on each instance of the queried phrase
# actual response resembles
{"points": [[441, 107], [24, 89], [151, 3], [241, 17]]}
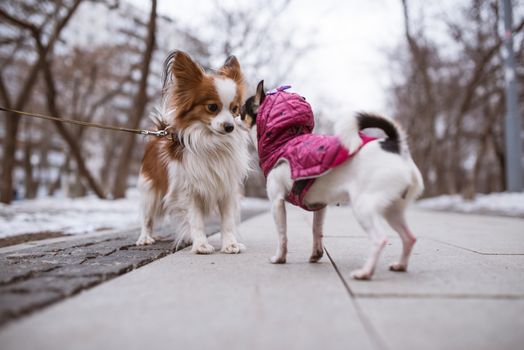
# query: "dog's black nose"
{"points": [[228, 127]]}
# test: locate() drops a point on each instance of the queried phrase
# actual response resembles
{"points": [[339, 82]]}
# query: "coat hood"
{"points": [[281, 118]]}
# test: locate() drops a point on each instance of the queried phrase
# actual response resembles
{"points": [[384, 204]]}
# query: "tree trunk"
{"points": [[29, 183], [12, 120], [66, 135], [8, 163], [120, 183]]}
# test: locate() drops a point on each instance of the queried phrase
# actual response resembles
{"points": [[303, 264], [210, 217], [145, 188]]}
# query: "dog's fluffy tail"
{"points": [[348, 128], [395, 141]]}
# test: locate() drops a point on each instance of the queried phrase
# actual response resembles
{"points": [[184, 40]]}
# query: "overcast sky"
{"points": [[348, 66]]}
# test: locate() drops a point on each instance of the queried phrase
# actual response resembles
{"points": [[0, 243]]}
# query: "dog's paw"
{"points": [[145, 240], [159, 238], [277, 260], [231, 248], [361, 275], [397, 267], [316, 256], [203, 248]]}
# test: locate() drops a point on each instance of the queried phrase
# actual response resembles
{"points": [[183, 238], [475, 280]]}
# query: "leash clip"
{"points": [[162, 133], [158, 133]]}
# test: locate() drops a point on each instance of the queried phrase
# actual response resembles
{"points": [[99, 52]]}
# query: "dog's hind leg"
{"points": [[318, 223], [396, 218], [372, 222]]}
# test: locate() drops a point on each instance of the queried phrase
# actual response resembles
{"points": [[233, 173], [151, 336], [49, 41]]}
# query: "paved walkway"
{"points": [[464, 290], [39, 273]]}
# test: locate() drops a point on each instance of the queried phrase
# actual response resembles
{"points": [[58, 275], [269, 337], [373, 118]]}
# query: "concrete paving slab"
{"points": [[435, 269], [479, 233], [454, 296], [415, 324], [482, 234], [207, 302]]}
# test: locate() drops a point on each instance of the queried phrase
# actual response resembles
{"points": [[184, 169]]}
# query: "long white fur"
{"points": [[213, 168], [379, 185]]}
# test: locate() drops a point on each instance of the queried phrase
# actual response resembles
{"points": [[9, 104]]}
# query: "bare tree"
{"points": [[140, 101], [66, 135], [56, 24], [454, 103]]}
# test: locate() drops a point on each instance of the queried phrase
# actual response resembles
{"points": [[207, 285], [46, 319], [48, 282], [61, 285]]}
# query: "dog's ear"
{"points": [[260, 94], [231, 69], [185, 71]]}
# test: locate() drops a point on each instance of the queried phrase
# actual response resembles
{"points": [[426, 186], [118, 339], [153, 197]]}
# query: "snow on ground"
{"points": [[80, 215], [68, 216], [90, 214], [504, 203]]}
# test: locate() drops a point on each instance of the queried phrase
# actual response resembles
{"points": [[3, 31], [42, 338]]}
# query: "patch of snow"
{"points": [[80, 215], [503, 203], [68, 216]]}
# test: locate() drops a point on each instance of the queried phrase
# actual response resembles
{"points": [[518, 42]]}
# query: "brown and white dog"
{"points": [[202, 166]]}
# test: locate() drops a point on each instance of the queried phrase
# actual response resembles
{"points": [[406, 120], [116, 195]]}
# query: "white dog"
{"points": [[379, 178]]}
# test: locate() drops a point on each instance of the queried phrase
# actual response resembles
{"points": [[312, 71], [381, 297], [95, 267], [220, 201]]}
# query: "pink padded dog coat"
{"points": [[284, 130]]}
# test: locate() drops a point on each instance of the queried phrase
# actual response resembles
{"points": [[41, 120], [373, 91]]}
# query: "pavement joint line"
{"points": [[432, 239], [344, 236], [457, 211], [342, 279], [26, 276], [97, 237], [439, 296], [390, 236], [376, 340], [468, 249]]}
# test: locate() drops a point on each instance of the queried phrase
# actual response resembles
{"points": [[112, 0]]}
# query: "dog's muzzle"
{"points": [[228, 127]]}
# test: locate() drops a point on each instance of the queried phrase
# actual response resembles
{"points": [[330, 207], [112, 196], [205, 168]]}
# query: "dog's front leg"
{"points": [[279, 215], [318, 223], [228, 219], [196, 227]]}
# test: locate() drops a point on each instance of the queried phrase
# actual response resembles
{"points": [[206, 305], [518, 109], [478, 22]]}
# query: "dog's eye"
{"points": [[234, 110], [212, 107]]}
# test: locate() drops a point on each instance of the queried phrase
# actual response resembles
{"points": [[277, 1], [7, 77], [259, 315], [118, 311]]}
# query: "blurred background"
{"points": [[437, 67]]}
